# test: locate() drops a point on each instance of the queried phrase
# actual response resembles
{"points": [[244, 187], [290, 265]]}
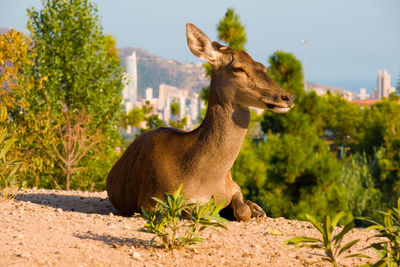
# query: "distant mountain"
{"points": [[3, 30], [321, 89], [153, 70]]}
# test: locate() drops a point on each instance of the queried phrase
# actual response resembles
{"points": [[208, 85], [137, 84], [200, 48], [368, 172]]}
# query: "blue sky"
{"points": [[348, 40]]}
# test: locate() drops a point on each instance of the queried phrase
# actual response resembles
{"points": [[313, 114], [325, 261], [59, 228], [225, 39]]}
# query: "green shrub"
{"points": [[388, 230], [8, 167], [166, 220], [330, 244], [357, 182]]}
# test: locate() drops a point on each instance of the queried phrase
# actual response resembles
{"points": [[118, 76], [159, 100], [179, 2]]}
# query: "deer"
{"points": [[161, 160]]}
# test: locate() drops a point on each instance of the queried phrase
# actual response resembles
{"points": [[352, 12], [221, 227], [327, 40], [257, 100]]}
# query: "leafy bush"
{"points": [[166, 220], [389, 229], [357, 182], [290, 176], [330, 244], [8, 167]]}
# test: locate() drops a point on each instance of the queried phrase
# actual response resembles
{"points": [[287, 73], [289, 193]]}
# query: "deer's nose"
{"points": [[288, 99]]}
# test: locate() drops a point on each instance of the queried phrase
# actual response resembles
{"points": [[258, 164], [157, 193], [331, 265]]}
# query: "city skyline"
{"points": [[383, 88], [347, 41]]}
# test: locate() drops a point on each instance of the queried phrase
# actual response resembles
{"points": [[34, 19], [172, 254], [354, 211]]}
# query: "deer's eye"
{"points": [[238, 70]]}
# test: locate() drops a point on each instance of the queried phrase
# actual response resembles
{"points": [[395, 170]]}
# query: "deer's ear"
{"points": [[200, 45]]}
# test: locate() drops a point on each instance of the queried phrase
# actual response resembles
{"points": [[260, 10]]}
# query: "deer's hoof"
{"points": [[256, 211]]}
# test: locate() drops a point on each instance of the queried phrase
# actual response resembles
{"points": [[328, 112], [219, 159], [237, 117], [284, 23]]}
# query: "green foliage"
{"points": [[231, 30], [290, 175], [15, 83], [134, 117], [378, 136], [82, 71], [175, 110], [341, 118], [285, 69], [9, 167], [304, 118], [166, 220], [389, 230], [330, 244], [205, 94], [356, 180], [153, 122]]}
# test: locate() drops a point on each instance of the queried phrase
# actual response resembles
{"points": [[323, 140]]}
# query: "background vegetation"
{"points": [[61, 111]]}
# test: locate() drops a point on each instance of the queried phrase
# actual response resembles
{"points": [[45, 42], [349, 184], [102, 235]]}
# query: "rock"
{"points": [[59, 210], [136, 255], [116, 246], [24, 254]]}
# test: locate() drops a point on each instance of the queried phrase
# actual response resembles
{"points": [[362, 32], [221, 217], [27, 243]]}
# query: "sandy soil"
{"points": [[73, 228]]}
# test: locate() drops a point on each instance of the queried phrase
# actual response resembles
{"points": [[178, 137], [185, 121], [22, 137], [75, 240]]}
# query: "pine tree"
{"points": [[231, 31]]}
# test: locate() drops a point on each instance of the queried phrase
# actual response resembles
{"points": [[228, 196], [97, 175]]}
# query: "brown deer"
{"points": [[161, 160]]}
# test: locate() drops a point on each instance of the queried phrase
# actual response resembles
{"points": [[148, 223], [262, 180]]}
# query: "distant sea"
{"points": [[354, 85]]}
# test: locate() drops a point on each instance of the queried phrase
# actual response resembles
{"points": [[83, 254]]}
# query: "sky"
{"points": [[348, 41]]}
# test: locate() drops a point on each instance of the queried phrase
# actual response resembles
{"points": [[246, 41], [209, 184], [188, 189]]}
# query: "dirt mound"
{"points": [[73, 228]]}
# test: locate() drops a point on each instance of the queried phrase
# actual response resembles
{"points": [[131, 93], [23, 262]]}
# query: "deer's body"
{"points": [[160, 160]]}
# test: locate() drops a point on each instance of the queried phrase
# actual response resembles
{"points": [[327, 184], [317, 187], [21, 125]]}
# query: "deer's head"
{"points": [[238, 78]]}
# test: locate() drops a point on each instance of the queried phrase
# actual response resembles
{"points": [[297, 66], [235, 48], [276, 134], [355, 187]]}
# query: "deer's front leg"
{"points": [[256, 211], [243, 210]]}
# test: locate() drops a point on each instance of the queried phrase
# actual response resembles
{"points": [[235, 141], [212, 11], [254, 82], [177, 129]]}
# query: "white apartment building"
{"points": [[129, 93], [189, 105], [383, 86]]}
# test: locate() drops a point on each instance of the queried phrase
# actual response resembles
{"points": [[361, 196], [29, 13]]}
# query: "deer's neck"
{"points": [[221, 135]]}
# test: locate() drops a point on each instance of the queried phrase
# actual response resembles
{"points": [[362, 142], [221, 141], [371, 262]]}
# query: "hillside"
{"points": [[153, 70], [74, 228], [3, 30], [323, 88]]}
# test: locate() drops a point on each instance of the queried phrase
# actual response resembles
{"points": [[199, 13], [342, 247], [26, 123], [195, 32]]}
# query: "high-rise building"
{"points": [[129, 93], [383, 88], [363, 94], [169, 94]]}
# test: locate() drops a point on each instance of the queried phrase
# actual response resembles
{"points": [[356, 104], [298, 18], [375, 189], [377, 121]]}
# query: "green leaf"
{"points": [[358, 255], [336, 219], [344, 231], [300, 239], [274, 232], [315, 223], [348, 246]]}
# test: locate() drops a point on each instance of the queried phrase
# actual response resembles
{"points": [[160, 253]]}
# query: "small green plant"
{"points": [[8, 168], [389, 229], [166, 220], [330, 244]]}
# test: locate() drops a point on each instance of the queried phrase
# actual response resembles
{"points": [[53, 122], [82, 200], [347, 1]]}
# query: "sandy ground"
{"points": [[73, 228]]}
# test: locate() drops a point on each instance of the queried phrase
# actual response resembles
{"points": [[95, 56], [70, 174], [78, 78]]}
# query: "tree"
{"points": [[341, 119], [175, 110], [379, 138], [83, 72], [286, 70], [15, 82], [231, 30], [77, 139]]}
